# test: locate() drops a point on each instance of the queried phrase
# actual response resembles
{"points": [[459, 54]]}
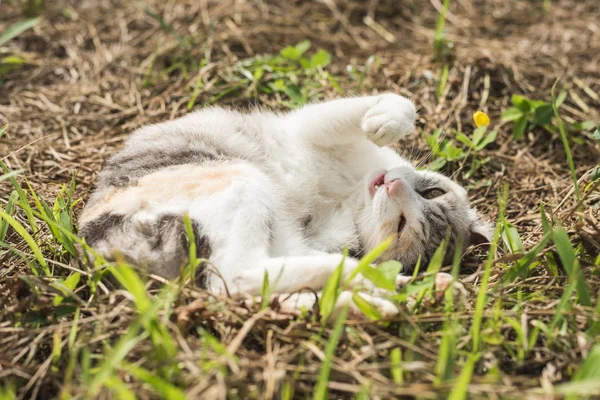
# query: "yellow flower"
{"points": [[481, 119]]}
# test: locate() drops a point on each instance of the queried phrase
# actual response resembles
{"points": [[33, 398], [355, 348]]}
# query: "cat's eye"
{"points": [[432, 193]]}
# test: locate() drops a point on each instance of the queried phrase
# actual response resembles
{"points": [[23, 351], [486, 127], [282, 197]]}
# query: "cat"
{"points": [[284, 193]]}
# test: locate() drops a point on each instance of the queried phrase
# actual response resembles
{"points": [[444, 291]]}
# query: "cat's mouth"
{"points": [[392, 185], [376, 183]]}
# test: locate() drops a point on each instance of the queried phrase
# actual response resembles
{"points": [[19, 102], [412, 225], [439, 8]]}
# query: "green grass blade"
{"points": [[396, 366], [30, 241], [118, 387], [16, 29], [521, 268], [132, 282], [443, 81], [197, 86], [378, 278], [23, 196], [439, 31], [443, 366], [591, 366], [586, 380], [10, 175], [320, 392], [264, 292], [511, 238], [366, 308], [61, 213], [73, 332], [438, 258], [164, 388], [193, 261], [370, 257], [567, 255], [167, 28], [66, 287], [578, 390], [461, 386], [114, 356], [565, 141], [447, 352], [330, 292], [595, 327], [10, 208], [563, 304], [482, 295]]}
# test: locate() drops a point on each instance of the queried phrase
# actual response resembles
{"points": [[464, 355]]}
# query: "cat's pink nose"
{"points": [[393, 187]]}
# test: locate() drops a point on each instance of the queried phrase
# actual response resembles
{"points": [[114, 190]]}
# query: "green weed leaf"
{"points": [[512, 114], [543, 115], [464, 139], [519, 128], [511, 238], [562, 96], [595, 174], [69, 284], [378, 278], [320, 59], [521, 102], [16, 29], [390, 269], [294, 53], [487, 140], [478, 134]]}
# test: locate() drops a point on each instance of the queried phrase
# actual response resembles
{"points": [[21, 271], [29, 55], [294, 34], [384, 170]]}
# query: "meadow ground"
{"points": [[86, 73]]}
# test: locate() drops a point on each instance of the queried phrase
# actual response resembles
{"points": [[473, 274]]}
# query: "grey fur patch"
{"points": [[439, 221], [98, 229], [123, 171], [161, 247]]}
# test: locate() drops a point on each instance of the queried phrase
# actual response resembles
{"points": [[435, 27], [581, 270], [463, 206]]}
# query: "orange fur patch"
{"points": [[182, 182]]}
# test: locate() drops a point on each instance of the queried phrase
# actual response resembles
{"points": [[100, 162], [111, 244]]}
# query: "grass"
{"points": [[294, 74], [441, 45], [10, 60], [528, 323]]}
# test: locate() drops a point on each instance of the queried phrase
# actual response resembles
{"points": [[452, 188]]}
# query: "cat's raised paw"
{"points": [[390, 119]]}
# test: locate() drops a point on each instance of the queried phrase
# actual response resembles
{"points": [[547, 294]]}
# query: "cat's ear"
{"points": [[480, 231]]}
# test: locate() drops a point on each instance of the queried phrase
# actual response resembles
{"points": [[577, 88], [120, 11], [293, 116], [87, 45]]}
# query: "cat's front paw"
{"points": [[390, 119]]}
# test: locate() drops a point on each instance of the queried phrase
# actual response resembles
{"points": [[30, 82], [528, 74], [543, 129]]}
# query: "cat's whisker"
{"points": [[436, 147]]}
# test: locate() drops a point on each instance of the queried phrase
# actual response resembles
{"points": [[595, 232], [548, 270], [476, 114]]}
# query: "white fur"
{"points": [[319, 155]]}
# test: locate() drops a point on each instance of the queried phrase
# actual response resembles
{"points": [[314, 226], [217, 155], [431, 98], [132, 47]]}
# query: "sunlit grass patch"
{"points": [[11, 60], [296, 75], [160, 335], [69, 327]]}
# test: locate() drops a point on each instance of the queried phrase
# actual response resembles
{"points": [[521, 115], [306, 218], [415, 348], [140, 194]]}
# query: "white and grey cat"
{"points": [[282, 193]]}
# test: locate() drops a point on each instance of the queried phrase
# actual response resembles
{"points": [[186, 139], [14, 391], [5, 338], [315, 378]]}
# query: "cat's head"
{"points": [[417, 208]]}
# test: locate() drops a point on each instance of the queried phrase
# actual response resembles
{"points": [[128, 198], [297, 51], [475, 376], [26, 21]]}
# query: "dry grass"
{"points": [[100, 69]]}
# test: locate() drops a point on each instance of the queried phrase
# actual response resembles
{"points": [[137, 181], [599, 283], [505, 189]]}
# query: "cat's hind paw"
{"points": [[389, 120]]}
